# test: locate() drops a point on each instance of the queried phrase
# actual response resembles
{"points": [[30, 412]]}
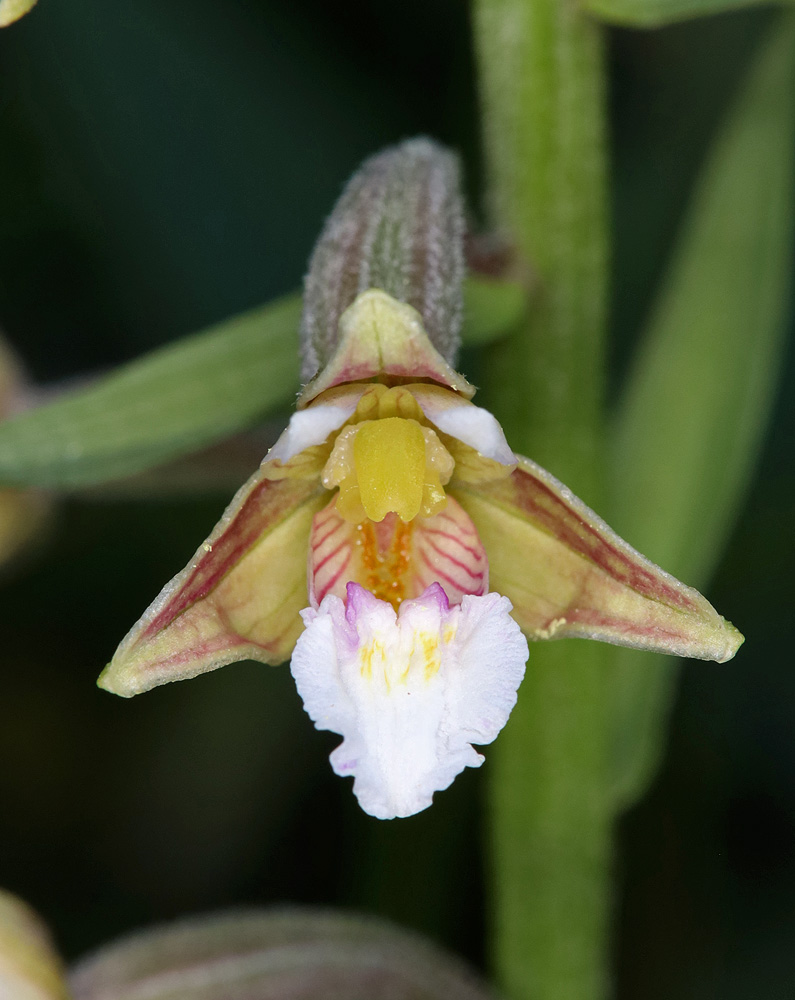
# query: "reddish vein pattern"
{"points": [[397, 561], [330, 551], [447, 550], [256, 509], [564, 517]]}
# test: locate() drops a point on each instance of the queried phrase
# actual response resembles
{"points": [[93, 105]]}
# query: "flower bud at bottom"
{"points": [[282, 955]]}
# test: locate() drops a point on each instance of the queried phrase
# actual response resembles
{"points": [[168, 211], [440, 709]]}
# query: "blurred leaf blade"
{"points": [[189, 395], [698, 398], [657, 13], [170, 402]]}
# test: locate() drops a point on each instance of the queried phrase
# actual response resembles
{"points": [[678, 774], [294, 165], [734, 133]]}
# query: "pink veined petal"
{"points": [[397, 561], [410, 691], [447, 550]]}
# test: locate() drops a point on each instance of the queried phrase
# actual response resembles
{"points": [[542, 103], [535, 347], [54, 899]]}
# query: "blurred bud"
{"points": [[12, 10], [275, 955], [29, 966], [398, 227], [22, 512]]}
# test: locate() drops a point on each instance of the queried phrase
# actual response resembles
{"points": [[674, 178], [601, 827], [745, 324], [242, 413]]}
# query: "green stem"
{"points": [[542, 94], [542, 89], [550, 840]]}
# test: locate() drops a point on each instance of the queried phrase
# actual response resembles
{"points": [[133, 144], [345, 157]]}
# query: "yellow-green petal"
{"points": [[239, 597], [568, 574]]}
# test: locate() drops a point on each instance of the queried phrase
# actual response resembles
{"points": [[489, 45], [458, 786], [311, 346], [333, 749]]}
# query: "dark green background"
{"points": [[163, 165]]}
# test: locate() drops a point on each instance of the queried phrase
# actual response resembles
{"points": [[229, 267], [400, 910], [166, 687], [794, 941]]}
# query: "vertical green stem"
{"points": [[542, 95], [542, 90], [550, 832]]}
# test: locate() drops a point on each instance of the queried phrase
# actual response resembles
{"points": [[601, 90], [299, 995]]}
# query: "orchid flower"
{"points": [[391, 542]]}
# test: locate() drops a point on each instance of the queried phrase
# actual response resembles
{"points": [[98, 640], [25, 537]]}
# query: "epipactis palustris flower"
{"points": [[391, 542]]}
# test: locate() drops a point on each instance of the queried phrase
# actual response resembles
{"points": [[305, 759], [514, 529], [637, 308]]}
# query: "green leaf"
{"points": [[170, 402], [691, 422], [656, 13]]}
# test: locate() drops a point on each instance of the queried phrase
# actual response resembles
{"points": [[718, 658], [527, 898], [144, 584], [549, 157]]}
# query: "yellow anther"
{"points": [[387, 462], [389, 456]]}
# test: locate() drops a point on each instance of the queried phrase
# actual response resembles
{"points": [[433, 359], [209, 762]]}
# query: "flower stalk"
{"points": [[542, 97]]}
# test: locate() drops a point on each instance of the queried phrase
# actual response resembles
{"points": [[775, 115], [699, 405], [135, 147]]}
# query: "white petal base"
{"points": [[409, 692]]}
